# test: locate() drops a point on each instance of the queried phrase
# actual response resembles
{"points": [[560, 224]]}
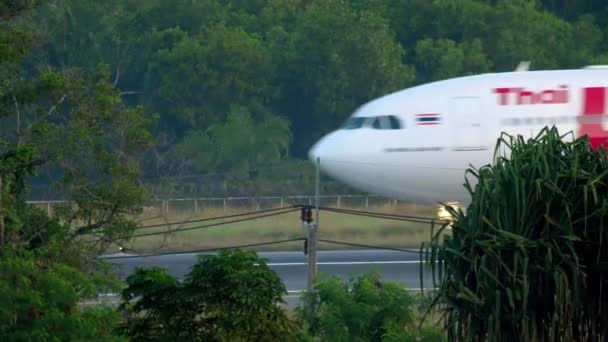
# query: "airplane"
{"points": [[415, 144]]}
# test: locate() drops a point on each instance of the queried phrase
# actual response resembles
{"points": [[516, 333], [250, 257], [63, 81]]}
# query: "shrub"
{"points": [[527, 261], [39, 302], [361, 310], [232, 296]]}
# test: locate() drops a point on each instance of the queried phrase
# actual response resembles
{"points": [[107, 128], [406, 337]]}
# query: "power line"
{"points": [[370, 246], [212, 225], [426, 218], [406, 218], [202, 250], [414, 219], [215, 218], [273, 212]]}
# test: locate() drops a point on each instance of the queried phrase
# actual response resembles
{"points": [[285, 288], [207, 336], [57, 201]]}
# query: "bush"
{"points": [[232, 296], [39, 302], [527, 261], [362, 310]]}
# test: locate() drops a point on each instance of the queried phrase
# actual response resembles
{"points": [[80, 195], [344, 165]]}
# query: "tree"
{"points": [[231, 296], [200, 77], [508, 32], [311, 63], [79, 128], [443, 59], [69, 122], [75, 127], [337, 59], [527, 261], [364, 309], [214, 77], [260, 144], [39, 301]]}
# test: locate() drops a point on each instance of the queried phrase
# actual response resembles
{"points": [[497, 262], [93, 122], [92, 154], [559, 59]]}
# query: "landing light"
{"points": [[444, 215]]}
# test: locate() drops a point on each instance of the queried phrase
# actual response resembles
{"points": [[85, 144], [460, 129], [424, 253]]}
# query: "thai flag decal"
{"points": [[427, 119]]}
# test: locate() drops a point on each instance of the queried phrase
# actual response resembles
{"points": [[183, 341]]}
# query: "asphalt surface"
{"points": [[292, 266]]}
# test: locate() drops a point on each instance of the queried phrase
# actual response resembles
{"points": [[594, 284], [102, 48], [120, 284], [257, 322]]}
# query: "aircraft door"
{"points": [[467, 119]]}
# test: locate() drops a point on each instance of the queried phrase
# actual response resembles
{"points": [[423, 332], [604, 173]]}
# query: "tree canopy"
{"points": [[73, 122], [231, 296], [296, 68], [102, 102]]}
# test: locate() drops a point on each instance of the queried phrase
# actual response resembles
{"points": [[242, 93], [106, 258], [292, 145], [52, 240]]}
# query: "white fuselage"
{"points": [[445, 127]]}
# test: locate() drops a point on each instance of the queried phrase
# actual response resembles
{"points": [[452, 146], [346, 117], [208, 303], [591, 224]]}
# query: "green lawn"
{"points": [[333, 226]]}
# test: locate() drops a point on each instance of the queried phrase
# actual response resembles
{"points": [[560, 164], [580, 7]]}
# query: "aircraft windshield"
{"points": [[395, 123], [354, 123], [375, 122]]}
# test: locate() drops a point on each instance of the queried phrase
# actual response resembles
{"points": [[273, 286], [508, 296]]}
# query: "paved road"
{"points": [[292, 267]]}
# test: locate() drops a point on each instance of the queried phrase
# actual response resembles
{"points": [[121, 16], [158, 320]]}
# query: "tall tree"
{"points": [[77, 126], [340, 58], [41, 273]]}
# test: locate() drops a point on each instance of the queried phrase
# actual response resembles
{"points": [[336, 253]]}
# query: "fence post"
{"points": [[366, 202], [48, 209], [224, 204], [282, 203], [195, 205], [338, 201]]}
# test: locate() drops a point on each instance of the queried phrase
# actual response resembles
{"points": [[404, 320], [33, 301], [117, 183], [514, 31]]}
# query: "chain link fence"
{"points": [[195, 205]]}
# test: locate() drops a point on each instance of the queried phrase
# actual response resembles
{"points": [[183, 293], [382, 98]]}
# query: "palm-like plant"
{"points": [[528, 260]]}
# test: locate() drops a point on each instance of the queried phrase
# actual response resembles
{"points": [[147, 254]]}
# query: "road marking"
{"points": [[292, 293], [194, 254], [346, 251], [346, 263]]}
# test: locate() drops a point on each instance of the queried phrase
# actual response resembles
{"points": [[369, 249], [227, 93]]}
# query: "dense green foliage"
{"points": [[76, 124], [364, 309], [281, 73], [226, 97], [232, 296], [527, 262], [39, 302]]}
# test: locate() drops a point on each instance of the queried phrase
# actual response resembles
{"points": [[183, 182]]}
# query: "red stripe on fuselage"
{"points": [[594, 103]]}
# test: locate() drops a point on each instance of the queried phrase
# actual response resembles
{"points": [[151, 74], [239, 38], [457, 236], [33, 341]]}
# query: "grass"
{"points": [[333, 226]]}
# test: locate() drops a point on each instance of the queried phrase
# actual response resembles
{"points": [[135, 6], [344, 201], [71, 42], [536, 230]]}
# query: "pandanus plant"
{"points": [[528, 260]]}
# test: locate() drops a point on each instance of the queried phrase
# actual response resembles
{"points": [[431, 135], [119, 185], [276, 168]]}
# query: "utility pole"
{"points": [[313, 234], [1, 219], [317, 185], [312, 254], [312, 230]]}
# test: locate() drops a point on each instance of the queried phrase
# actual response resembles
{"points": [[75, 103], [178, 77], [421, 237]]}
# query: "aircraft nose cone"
{"points": [[314, 152], [323, 149]]}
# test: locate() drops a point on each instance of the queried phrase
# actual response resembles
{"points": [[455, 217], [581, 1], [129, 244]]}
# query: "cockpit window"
{"points": [[395, 123], [375, 122], [386, 122], [354, 123]]}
